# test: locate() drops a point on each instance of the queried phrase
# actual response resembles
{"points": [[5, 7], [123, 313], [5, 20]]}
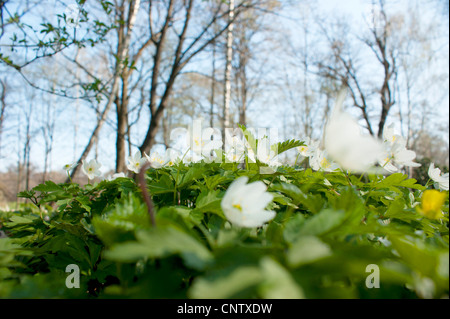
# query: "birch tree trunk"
{"points": [[229, 56]]}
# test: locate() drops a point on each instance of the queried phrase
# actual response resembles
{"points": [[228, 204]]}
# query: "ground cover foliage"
{"points": [[334, 235]]}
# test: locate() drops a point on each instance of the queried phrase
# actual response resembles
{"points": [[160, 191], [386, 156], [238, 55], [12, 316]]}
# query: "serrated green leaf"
{"points": [[209, 202], [163, 186], [48, 187], [282, 147]]}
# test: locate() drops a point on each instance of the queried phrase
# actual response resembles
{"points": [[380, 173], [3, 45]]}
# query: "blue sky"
{"points": [[63, 152]]}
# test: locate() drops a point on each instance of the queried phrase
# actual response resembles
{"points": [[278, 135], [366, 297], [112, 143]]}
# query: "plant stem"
{"points": [[145, 193]]}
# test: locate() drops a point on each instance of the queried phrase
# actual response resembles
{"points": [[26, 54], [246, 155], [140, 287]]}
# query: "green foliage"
{"points": [[324, 235]]}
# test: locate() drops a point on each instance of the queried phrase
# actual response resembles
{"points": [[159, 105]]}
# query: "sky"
{"points": [[64, 139]]}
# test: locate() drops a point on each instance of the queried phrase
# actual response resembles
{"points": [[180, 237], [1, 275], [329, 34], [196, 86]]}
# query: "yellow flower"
{"points": [[432, 201]]}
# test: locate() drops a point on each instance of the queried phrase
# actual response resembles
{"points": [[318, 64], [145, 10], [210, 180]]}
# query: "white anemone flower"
{"points": [[435, 175], [309, 148], [200, 141], [406, 158], [136, 162], [235, 155], [266, 154], [156, 160], [172, 157], [395, 153], [390, 137], [69, 167], [385, 162], [234, 141], [192, 157], [244, 205], [320, 161], [345, 143], [91, 169]]}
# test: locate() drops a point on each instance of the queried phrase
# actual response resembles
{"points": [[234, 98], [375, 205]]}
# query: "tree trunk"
{"points": [[122, 54], [213, 87], [149, 140], [229, 56], [122, 126]]}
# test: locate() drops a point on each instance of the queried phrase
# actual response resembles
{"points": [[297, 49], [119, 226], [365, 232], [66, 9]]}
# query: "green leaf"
{"points": [[252, 141], [420, 256], [228, 285], [280, 148], [322, 222], [194, 172], [397, 180], [84, 202], [209, 202], [26, 194], [307, 249], [160, 242], [163, 186], [48, 187], [311, 202], [15, 220], [278, 282]]}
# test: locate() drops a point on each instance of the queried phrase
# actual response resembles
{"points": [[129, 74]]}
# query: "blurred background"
{"points": [[104, 79]]}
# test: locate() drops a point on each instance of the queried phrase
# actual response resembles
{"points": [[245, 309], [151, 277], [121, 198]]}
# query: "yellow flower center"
{"points": [[238, 206], [324, 163]]}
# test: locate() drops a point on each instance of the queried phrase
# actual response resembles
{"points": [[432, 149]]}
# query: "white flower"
{"points": [[235, 148], [390, 137], [309, 148], [116, 175], [395, 154], [321, 161], [156, 160], [192, 157], [171, 157], [266, 154], [244, 204], [91, 169], [385, 162], [435, 175], [69, 167], [235, 155], [394, 151], [200, 141], [346, 145], [135, 162], [234, 141]]}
